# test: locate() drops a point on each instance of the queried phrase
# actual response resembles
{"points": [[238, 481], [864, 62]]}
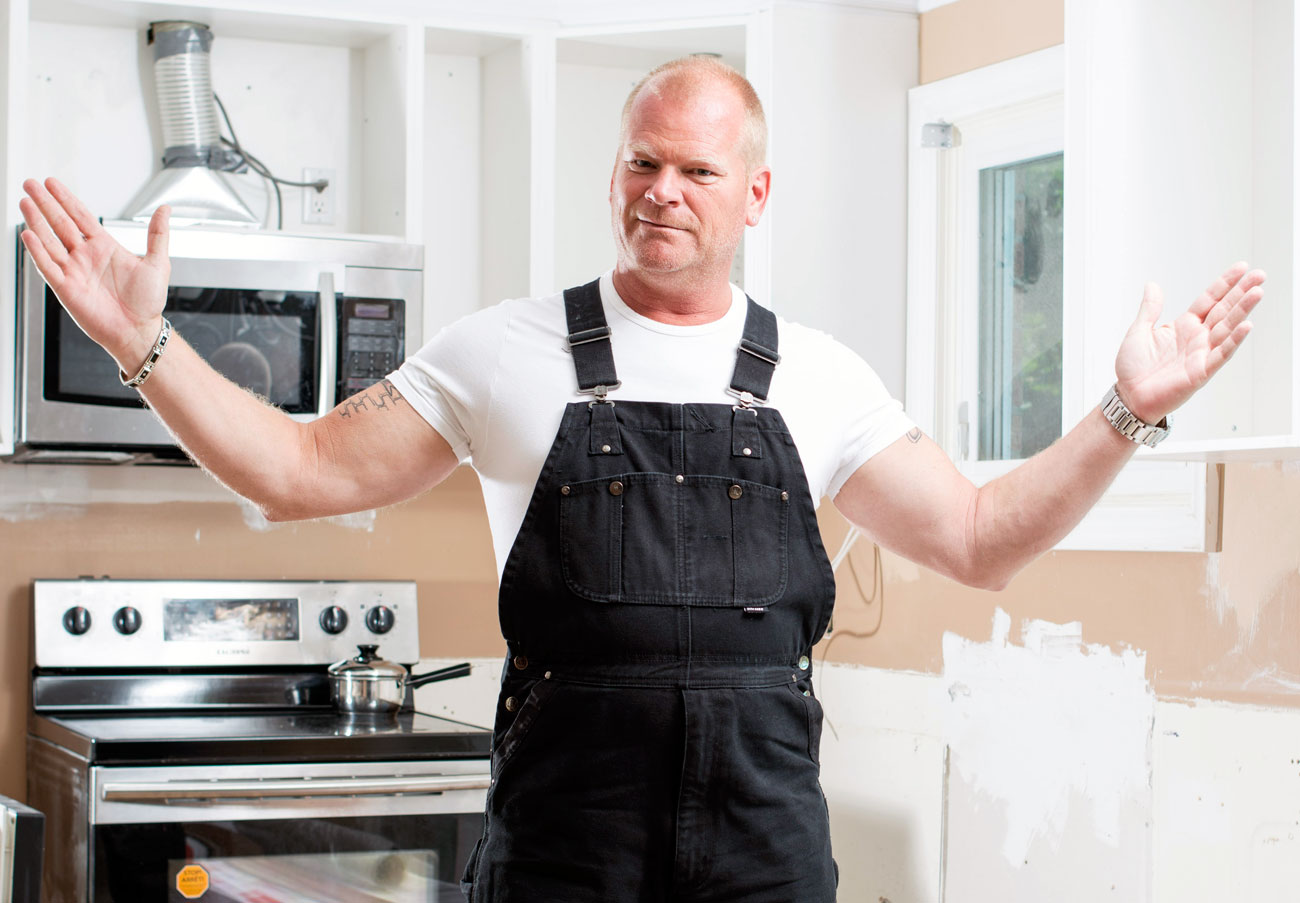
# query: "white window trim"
{"points": [[1153, 505]]}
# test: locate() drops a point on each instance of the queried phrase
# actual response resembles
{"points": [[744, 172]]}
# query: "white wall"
{"points": [[452, 176], [589, 101], [505, 193], [839, 205]]}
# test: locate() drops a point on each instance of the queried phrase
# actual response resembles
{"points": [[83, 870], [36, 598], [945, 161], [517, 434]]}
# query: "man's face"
{"points": [[681, 194]]}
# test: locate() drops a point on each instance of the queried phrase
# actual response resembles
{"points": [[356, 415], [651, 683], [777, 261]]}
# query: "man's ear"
{"points": [[760, 186]]}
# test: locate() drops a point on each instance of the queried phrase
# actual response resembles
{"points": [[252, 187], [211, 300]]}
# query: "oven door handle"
{"points": [[184, 791]]}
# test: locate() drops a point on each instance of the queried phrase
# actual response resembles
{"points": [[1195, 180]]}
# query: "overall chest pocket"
{"points": [[664, 539]]}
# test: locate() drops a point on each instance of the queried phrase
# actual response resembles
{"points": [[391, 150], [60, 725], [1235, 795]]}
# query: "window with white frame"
{"points": [[993, 357]]}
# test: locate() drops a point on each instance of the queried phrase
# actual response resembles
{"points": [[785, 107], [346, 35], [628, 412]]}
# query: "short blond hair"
{"points": [[695, 72]]}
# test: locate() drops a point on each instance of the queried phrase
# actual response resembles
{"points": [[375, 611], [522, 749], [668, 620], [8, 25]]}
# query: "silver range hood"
{"points": [[192, 181]]}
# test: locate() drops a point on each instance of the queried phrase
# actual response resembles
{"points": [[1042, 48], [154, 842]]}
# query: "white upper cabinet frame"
{"points": [[1006, 112], [1181, 138]]}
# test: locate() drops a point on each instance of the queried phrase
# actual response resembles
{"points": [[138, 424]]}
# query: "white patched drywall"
{"points": [[1049, 791], [1227, 804]]}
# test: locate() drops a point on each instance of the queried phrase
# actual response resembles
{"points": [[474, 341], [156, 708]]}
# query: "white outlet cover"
{"points": [[318, 206]]}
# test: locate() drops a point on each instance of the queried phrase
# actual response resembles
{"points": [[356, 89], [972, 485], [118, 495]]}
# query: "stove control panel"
{"points": [[210, 623]]}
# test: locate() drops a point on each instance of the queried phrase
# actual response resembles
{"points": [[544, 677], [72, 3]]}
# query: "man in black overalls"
{"points": [[656, 736]]}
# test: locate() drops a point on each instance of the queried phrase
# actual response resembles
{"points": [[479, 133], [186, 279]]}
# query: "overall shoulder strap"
{"points": [[757, 357], [593, 355]]}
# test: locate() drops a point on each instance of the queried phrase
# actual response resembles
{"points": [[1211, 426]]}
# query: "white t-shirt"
{"points": [[494, 385]]}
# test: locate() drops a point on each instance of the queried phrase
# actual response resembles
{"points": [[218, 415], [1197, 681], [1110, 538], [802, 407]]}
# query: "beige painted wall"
{"points": [[1216, 626], [968, 34], [440, 541]]}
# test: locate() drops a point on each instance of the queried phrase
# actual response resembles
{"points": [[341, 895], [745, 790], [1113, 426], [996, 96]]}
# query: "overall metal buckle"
{"points": [[747, 399], [600, 392]]}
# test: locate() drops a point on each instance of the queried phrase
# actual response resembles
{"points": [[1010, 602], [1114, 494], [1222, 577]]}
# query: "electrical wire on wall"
{"points": [[247, 160], [876, 595]]}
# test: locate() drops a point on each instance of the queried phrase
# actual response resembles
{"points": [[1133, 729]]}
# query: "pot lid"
{"points": [[367, 665]]}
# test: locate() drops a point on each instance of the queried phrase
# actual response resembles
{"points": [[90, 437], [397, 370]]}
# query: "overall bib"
{"points": [[656, 736]]}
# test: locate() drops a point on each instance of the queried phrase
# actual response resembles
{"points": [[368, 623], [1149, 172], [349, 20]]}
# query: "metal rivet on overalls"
{"points": [[565, 490], [785, 496], [746, 451], [803, 663], [521, 662], [806, 693], [616, 488], [605, 449], [547, 675], [735, 491], [681, 479], [511, 704]]}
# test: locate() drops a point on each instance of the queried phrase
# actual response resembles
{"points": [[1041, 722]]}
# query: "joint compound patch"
{"points": [[1034, 727]]}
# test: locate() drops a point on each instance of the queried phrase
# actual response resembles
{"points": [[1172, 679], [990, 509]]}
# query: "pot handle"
{"points": [[419, 680]]}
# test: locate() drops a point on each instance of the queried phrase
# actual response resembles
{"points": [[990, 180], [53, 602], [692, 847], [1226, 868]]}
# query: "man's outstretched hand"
{"points": [[1160, 367], [115, 297]]}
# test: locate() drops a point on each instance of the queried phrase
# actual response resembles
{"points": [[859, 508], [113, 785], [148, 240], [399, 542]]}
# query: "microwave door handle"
{"points": [[329, 340], [142, 791]]}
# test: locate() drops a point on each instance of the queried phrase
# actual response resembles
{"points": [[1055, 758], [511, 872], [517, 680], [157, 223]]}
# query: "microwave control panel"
{"points": [[371, 342]]}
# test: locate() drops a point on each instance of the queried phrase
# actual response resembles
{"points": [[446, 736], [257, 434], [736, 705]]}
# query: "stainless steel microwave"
{"points": [[303, 321]]}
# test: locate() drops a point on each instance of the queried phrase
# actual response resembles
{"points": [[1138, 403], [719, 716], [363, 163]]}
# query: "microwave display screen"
{"points": [[263, 340]]}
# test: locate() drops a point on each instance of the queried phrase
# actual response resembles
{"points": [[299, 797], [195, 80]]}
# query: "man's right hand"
{"points": [[115, 297]]}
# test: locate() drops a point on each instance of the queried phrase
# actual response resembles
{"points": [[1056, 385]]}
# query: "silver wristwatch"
{"points": [[1131, 425]]}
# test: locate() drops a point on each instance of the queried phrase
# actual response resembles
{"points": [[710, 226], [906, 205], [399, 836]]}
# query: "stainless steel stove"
{"points": [[184, 746]]}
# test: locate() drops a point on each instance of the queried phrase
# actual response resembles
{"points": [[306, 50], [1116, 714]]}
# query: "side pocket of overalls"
{"points": [[471, 868], [512, 727], [813, 711], [508, 734]]}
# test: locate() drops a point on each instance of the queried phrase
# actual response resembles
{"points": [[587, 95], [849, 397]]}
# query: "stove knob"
{"points": [[333, 620], [76, 621], [126, 620], [379, 619]]}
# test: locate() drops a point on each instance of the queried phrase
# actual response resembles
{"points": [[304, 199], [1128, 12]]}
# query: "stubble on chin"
{"points": [[639, 248]]}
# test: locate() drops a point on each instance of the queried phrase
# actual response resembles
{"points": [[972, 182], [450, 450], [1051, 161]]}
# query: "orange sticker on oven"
{"points": [[192, 882]]}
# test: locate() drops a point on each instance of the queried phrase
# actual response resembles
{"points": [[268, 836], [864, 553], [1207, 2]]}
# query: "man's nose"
{"points": [[665, 189]]}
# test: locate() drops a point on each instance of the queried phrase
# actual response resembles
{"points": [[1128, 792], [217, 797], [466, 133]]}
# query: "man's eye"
{"points": [[641, 164], [704, 172]]}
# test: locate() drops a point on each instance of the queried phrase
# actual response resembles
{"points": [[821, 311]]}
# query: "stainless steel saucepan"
{"points": [[369, 684]]}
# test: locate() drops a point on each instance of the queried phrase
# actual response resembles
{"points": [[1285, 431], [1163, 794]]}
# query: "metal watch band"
{"points": [[134, 382], [1129, 424]]}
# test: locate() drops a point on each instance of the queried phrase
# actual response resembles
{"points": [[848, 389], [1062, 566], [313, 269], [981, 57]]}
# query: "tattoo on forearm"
{"points": [[914, 434], [381, 396]]}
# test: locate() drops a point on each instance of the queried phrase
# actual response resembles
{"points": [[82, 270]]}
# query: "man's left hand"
{"points": [[1160, 367]]}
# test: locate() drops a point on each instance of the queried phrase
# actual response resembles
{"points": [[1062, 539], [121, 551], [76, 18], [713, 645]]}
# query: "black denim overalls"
{"points": [[656, 736]]}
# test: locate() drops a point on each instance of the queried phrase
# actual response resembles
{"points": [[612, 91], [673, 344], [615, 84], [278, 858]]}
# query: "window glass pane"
{"points": [[1021, 207]]}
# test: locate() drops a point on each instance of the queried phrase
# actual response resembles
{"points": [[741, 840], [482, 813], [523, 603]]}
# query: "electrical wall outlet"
{"points": [[318, 206]]}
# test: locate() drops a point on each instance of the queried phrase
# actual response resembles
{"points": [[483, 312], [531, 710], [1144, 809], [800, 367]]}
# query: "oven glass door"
{"points": [[367, 833], [264, 340], [393, 859]]}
